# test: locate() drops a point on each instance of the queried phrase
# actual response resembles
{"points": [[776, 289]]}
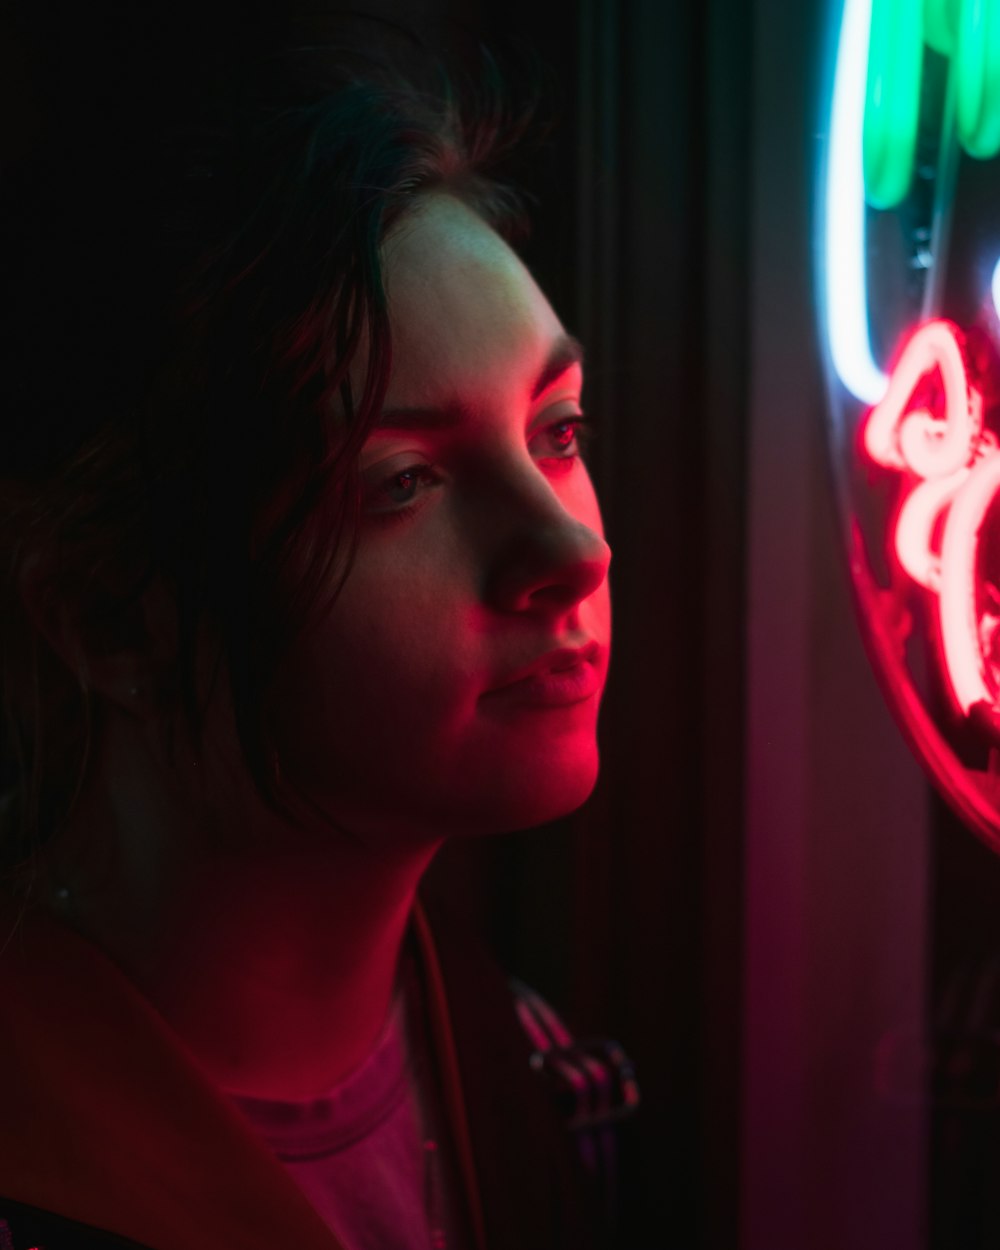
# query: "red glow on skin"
{"points": [[455, 688], [563, 678], [952, 470]]}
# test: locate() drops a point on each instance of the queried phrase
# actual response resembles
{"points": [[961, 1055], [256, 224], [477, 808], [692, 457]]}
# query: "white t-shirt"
{"points": [[367, 1153]]}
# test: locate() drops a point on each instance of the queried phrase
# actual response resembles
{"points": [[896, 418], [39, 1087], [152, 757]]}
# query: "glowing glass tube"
{"points": [[892, 100], [846, 287], [940, 23], [977, 66]]}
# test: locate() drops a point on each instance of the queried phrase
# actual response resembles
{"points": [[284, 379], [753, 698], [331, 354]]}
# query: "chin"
{"points": [[531, 796], [495, 789]]}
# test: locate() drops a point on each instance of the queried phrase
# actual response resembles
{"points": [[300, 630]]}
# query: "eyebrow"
{"points": [[566, 351]]}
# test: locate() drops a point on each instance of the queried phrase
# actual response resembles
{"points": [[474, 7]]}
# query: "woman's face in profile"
{"points": [[455, 685]]}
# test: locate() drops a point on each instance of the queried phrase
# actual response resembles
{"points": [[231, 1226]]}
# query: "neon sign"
{"points": [[951, 469], [915, 93]]}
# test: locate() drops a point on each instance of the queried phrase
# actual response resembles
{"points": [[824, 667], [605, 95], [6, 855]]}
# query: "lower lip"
{"points": [[551, 690]]}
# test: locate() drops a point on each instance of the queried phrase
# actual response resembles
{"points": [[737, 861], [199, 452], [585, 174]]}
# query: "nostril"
{"points": [[551, 580]]}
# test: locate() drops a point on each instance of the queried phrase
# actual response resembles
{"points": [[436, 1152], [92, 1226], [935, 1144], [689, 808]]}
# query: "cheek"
{"points": [[377, 717], [597, 613], [363, 696]]}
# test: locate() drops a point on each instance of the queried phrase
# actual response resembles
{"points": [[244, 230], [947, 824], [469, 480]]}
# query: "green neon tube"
{"points": [[940, 24], [977, 69], [892, 103]]}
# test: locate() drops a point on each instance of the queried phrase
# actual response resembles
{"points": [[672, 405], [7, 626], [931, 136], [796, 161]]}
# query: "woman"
{"points": [[306, 574]]}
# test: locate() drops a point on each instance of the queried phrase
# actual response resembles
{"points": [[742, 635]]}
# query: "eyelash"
{"points": [[398, 512], [581, 435], [581, 432]]}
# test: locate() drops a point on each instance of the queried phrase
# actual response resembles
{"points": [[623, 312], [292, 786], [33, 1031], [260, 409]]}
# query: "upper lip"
{"points": [[558, 660]]}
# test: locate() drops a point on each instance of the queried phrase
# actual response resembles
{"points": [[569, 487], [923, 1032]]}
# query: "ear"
{"points": [[123, 652]]}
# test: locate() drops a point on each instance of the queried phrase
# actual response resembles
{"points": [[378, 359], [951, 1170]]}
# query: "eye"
{"points": [[395, 494], [565, 439]]}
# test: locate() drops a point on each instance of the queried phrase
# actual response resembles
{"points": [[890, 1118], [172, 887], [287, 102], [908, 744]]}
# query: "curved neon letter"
{"points": [[953, 469], [915, 525], [916, 440], [964, 660]]}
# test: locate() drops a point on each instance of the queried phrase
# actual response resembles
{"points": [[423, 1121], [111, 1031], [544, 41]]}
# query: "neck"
{"points": [[275, 963]]}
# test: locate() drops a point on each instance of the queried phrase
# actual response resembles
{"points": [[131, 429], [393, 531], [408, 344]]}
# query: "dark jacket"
{"points": [[111, 1138]]}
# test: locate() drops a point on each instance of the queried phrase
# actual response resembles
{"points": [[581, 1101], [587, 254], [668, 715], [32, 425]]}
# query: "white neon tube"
{"points": [[844, 202], [995, 287]]}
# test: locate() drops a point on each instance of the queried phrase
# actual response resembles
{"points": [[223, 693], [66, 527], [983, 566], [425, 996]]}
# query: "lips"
{"points": [[560, 678]]}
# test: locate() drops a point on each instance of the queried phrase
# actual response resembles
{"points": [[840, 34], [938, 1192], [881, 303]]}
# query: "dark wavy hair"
{"points": [[188, 277]]}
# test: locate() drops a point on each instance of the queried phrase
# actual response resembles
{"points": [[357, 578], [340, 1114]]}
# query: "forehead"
{"points": [[465, 313]]}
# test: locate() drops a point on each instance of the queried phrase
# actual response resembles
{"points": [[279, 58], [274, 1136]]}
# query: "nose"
{"points": [[549, 566]]}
